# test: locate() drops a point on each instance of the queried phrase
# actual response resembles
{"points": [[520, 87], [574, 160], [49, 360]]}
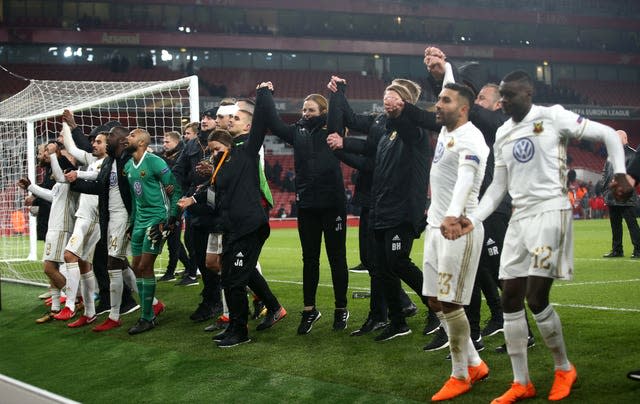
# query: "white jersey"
{"points": [[463, 146], [88, 204], [63, 207], [116, 204], [534, 152]]}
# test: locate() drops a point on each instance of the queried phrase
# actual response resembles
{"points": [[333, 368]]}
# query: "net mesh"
{"points": [[33, 116]]}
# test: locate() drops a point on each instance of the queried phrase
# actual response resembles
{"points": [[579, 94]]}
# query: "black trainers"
{"points": [[635, 255], [432, 325], [234, 338], [613, 254], [308, 318], [271, 318], [259, 309], [141, 326], [102, 307], [531, 342], [167, 277], [340, 317], [359, 269], [493, 327], [369, 326], [128, 307], [440, 341], [204, 312], [410, 311], [188, 281], [222, 335], [391, 331], [634, 375]]}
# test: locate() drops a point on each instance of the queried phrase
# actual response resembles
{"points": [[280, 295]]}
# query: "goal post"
{"points": [[33, 116]]}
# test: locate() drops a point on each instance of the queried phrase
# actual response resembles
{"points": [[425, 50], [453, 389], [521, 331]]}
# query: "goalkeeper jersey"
{"points": [[148, 179]]}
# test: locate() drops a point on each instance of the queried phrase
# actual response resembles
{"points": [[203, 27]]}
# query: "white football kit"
{"points": [[457, 171]]}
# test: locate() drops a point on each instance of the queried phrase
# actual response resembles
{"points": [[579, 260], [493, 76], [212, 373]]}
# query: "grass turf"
{"points": [[178, 362]]}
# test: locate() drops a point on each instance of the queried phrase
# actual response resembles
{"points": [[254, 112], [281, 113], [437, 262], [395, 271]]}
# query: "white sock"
{"points": [[71, 287], [130, 279], [116, 284], [443, 322], [473, 357], [62, 268], [459, 333], [55, 298], [225, 308], [551, 330], [515, 335], [155, 301], [87, 288]]}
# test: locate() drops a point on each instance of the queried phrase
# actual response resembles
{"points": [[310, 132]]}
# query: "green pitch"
{"points": [[178, 362]]}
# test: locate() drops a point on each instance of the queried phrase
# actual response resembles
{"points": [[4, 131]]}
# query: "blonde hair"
{"points": [[320, 100]]}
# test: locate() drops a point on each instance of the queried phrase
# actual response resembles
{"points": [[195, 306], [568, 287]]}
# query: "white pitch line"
{"points": [[584, 306], [569, 283]]}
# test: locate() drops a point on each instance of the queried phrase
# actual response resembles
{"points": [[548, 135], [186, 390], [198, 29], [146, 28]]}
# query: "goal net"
{"points": [[33, 116]]}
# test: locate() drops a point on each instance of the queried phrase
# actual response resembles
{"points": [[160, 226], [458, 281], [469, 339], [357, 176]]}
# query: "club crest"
{"points": [[537, 127]]}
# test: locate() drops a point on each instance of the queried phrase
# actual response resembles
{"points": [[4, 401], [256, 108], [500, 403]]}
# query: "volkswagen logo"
{"points": [[524, 150]]}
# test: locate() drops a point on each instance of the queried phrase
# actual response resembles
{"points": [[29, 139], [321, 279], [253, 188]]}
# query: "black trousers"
{"points": [[393, 261], [239, 271], [616, 214], [495, 228], [177, 251], [312, 224], [364, 241], [211, 290]]}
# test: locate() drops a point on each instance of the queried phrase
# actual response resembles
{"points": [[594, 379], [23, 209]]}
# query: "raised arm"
{"points": [[272, 119], [83, 157], [264, 104]]}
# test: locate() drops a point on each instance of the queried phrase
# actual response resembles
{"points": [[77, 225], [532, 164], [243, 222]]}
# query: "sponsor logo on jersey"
{"points": [[137, 188], [439, 152], [472, 158], [490, 241], [537, 127], [523, 150]]}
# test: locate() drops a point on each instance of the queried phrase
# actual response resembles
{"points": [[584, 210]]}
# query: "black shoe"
{"points": [[128, 307], [217, 325], [392, 331], [222, 335], [167, 277], [204, 312], [531, 342], [635, 255], [259, 309], [410, 311], [308, 318], [188, 281], [141, 326], [369, 325], [634, 375], [234, 339], [271, 318], [359, 269], [440, 341], [433, 324], [102, 307], [493, 327], [340, 317], [614, 254]]}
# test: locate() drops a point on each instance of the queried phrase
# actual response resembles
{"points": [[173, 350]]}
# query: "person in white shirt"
{"points": [[530, 163], [450, 266], [61, 221]]}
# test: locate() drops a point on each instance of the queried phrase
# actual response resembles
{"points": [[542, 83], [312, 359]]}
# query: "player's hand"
{"points": [[24, 183], [434, 60], [204, 168], [28, 201], [467, 225], [157, 232], [185, 202], [393, 105], [333, 83], [71, 176], [172, 224], [266, 84], [335, 141], [52, 148], [67, 116], [621, 188], [451, 228]]}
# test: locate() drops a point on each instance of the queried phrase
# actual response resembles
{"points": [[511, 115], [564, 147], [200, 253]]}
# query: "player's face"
{"points": [[132, 142], [169, 143], [189, 134], [217, 148], [448, 108], [488, 98], [207, 123], [100, 146], [241, 123], [223, 121], [310, 109], [43, 156], [515, 99]]}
